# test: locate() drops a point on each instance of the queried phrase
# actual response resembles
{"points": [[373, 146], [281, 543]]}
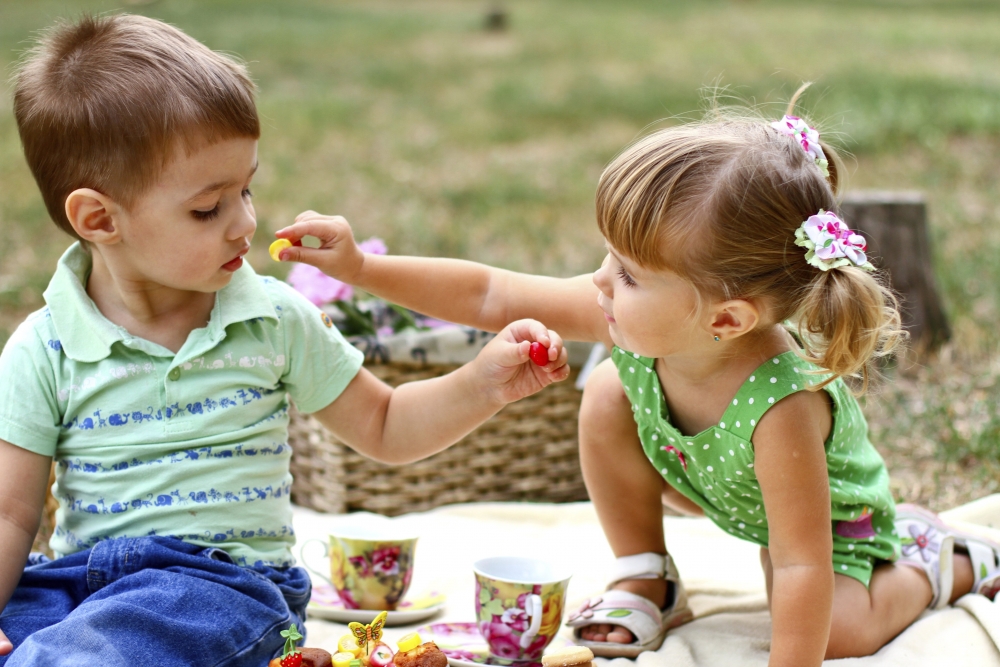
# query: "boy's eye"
{"points": [[206, 215], [626, 278]]}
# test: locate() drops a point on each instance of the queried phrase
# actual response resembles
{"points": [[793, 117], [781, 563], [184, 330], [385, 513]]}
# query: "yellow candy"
{"points": [[275, 249], [409, 642], [348, 644], [342, 659]]}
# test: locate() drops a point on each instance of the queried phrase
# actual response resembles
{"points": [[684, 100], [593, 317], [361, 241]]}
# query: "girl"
{"points": [[735, 301]]}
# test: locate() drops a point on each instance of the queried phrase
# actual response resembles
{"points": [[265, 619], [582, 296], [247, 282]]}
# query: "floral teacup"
{"points": [[519, 605], [370, 567]]}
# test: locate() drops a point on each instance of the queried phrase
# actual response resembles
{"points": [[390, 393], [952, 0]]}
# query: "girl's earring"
{"points": [[716, 339]]}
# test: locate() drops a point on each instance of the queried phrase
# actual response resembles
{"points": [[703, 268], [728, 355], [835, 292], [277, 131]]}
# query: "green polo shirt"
{"points": [[149, 442]]}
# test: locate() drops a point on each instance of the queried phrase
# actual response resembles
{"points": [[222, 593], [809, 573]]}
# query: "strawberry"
{"points": [[291, 657], [292, 660], [539, 354]]}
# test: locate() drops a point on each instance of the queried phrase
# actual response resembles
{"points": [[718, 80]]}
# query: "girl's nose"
{"points": [[246, 225], [601, 278]]}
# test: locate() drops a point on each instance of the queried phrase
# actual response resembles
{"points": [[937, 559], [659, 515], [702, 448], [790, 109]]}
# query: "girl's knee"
{"points": [[852, 637]]}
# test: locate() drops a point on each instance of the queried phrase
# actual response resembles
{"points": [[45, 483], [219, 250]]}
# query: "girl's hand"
{"points": [[337, 256], [506, 367]]}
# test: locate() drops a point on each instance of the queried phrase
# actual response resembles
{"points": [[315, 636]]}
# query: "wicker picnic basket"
{"points": [[526, 452]]}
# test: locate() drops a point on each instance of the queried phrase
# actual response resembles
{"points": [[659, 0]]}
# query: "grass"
{"points": [[444, 139]]}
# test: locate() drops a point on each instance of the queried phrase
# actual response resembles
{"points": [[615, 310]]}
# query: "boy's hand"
{"points": [[506, 367], [337, 256]]}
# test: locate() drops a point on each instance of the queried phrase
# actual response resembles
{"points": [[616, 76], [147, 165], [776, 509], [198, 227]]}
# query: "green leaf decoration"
{"points": [[484, 596], [495, 608], [619, 613], [983, 572]]}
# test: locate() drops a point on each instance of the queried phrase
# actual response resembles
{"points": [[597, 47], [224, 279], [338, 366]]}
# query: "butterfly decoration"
{"points": [[368, 634]]}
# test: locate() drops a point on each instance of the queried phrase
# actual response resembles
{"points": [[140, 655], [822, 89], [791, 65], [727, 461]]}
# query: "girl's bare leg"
{"points": [[625, 488], [866, 619]]}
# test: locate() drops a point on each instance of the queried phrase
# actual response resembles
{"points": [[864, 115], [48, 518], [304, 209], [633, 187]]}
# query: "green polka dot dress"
{"points": [[715, 468]]}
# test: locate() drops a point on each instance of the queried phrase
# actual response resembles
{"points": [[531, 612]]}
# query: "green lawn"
{"points": [[420, 127]]}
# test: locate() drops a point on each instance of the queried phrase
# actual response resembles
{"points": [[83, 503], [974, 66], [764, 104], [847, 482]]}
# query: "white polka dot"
{"points": [[795, 386], [640, 390], [670, 439], [663, 471], [752, 378], [753, 422], [648, 411], [769, 400], [634, 407], [648, 369], [631, 369], [722, 458], [755, 534], [635, 355], [750, 401], [655, 390], [742, 446], [722, 424], [742, 525], [732, 453], [739, 472], [708, 486], [776, 360], [871, 538], [737, 424], [679, 480], [851, 547], [706, 446], [709, 468], [796, 369], [718, 436], [844, 568], [773, 380], [656, 437], [749, 465], [736, 401]]}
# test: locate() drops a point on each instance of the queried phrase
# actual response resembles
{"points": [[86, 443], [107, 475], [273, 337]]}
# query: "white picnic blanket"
{"points": [[721, 573]]}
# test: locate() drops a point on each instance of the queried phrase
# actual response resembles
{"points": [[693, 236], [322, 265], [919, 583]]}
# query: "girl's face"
{"points": [[649, 312]]}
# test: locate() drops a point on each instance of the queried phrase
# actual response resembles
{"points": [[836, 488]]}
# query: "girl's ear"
{"points": [[732, 319], [92, 215]]}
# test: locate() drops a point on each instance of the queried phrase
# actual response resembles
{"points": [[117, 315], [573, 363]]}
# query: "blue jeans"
{"points": [[151, 601]]}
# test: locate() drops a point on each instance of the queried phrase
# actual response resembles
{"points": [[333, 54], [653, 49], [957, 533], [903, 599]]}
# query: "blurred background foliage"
{"points": [[444, 138]]}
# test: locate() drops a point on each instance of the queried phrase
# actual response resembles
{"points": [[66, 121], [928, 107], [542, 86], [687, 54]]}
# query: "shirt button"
{"points": [[174, 374]]}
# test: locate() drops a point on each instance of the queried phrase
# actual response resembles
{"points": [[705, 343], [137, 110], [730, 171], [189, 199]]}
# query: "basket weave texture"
{"points": [[526, 452]]}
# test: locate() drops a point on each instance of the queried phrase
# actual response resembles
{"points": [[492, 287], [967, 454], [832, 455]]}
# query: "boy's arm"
{"points": [[22, 497], [418, 419], [454, 290]]}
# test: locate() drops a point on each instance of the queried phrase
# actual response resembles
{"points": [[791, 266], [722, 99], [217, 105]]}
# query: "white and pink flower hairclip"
{"points": [[831, 244], [808, 138]]}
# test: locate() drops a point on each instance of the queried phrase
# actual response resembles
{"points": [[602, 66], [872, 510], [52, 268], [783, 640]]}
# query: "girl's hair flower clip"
{"points": [[808, 138], [831, 244]]}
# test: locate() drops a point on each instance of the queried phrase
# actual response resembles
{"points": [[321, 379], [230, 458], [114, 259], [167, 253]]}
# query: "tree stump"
{"points": [[895, 225]]}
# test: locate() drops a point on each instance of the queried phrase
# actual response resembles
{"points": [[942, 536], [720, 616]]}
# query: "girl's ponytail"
{"points": [[847, 319]]}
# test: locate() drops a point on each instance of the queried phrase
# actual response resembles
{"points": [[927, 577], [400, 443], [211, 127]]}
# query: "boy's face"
{"points": [[190, 230]]}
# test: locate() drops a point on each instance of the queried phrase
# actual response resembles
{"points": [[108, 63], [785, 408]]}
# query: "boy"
{"points": [[156, 377]]}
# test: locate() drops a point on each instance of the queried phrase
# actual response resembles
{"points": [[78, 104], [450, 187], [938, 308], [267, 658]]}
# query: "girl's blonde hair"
{"points": [[718, 202]]}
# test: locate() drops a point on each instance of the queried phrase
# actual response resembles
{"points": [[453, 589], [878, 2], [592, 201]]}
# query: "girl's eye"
{"points": [[206, 215], [626, 278], [246, 193]]}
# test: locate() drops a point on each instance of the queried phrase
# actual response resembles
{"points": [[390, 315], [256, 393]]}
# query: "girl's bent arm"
{"points": [[790, 462], [22, 497]]}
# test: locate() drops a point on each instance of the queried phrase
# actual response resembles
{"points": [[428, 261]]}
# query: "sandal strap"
{"points": [[640, 566], [985, 557], [616, 607]]}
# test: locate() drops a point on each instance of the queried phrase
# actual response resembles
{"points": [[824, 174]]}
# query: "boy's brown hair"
{"points": [[102, 103]]}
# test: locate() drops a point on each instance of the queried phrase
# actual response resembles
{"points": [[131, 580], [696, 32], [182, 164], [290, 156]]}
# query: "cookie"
{"points": [[571, 655]]}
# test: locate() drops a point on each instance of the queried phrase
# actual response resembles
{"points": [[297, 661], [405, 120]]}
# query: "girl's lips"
{"points": [[233, 264], [609, 318]]}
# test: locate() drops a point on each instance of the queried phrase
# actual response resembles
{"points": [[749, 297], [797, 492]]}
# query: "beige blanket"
{"points": [[722, 575]]}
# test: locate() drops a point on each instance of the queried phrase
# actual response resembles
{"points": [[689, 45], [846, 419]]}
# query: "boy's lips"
{"points": [[236, 262]]}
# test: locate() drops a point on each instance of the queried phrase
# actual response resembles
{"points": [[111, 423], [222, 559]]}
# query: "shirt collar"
{"points": [[87, 335]]}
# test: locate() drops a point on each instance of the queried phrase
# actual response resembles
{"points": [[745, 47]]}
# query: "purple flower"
{"points": [[373, 246], [386, 560], [318, 287]]}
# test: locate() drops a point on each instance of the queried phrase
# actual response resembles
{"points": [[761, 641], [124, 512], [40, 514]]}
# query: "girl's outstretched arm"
{"points": [[790, 463], [449, 289], [418, 419]]}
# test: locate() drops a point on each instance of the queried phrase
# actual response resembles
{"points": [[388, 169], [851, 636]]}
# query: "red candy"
{"points": [[539, 354]]}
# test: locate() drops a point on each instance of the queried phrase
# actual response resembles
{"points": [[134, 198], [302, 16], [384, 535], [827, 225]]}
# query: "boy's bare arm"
{"points": [[22, 497], [418, 419], [454, 290]]}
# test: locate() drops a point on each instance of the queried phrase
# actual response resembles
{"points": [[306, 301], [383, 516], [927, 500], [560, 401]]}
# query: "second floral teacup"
{"points": [[519, 605], [370, 565]]}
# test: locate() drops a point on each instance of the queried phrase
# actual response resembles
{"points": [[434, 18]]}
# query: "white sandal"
{"points": [[647, 623], [928, 545]]}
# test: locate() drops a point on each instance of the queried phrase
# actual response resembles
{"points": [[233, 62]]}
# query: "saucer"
{"points": [[326, 604], [465, 647]]}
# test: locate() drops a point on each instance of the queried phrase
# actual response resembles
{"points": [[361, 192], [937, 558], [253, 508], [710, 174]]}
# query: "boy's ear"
{"points": [[92, 215], [731, 319]]}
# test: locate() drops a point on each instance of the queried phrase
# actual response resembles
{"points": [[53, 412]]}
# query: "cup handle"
{"points": [[305, 561], [534, 604]]}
